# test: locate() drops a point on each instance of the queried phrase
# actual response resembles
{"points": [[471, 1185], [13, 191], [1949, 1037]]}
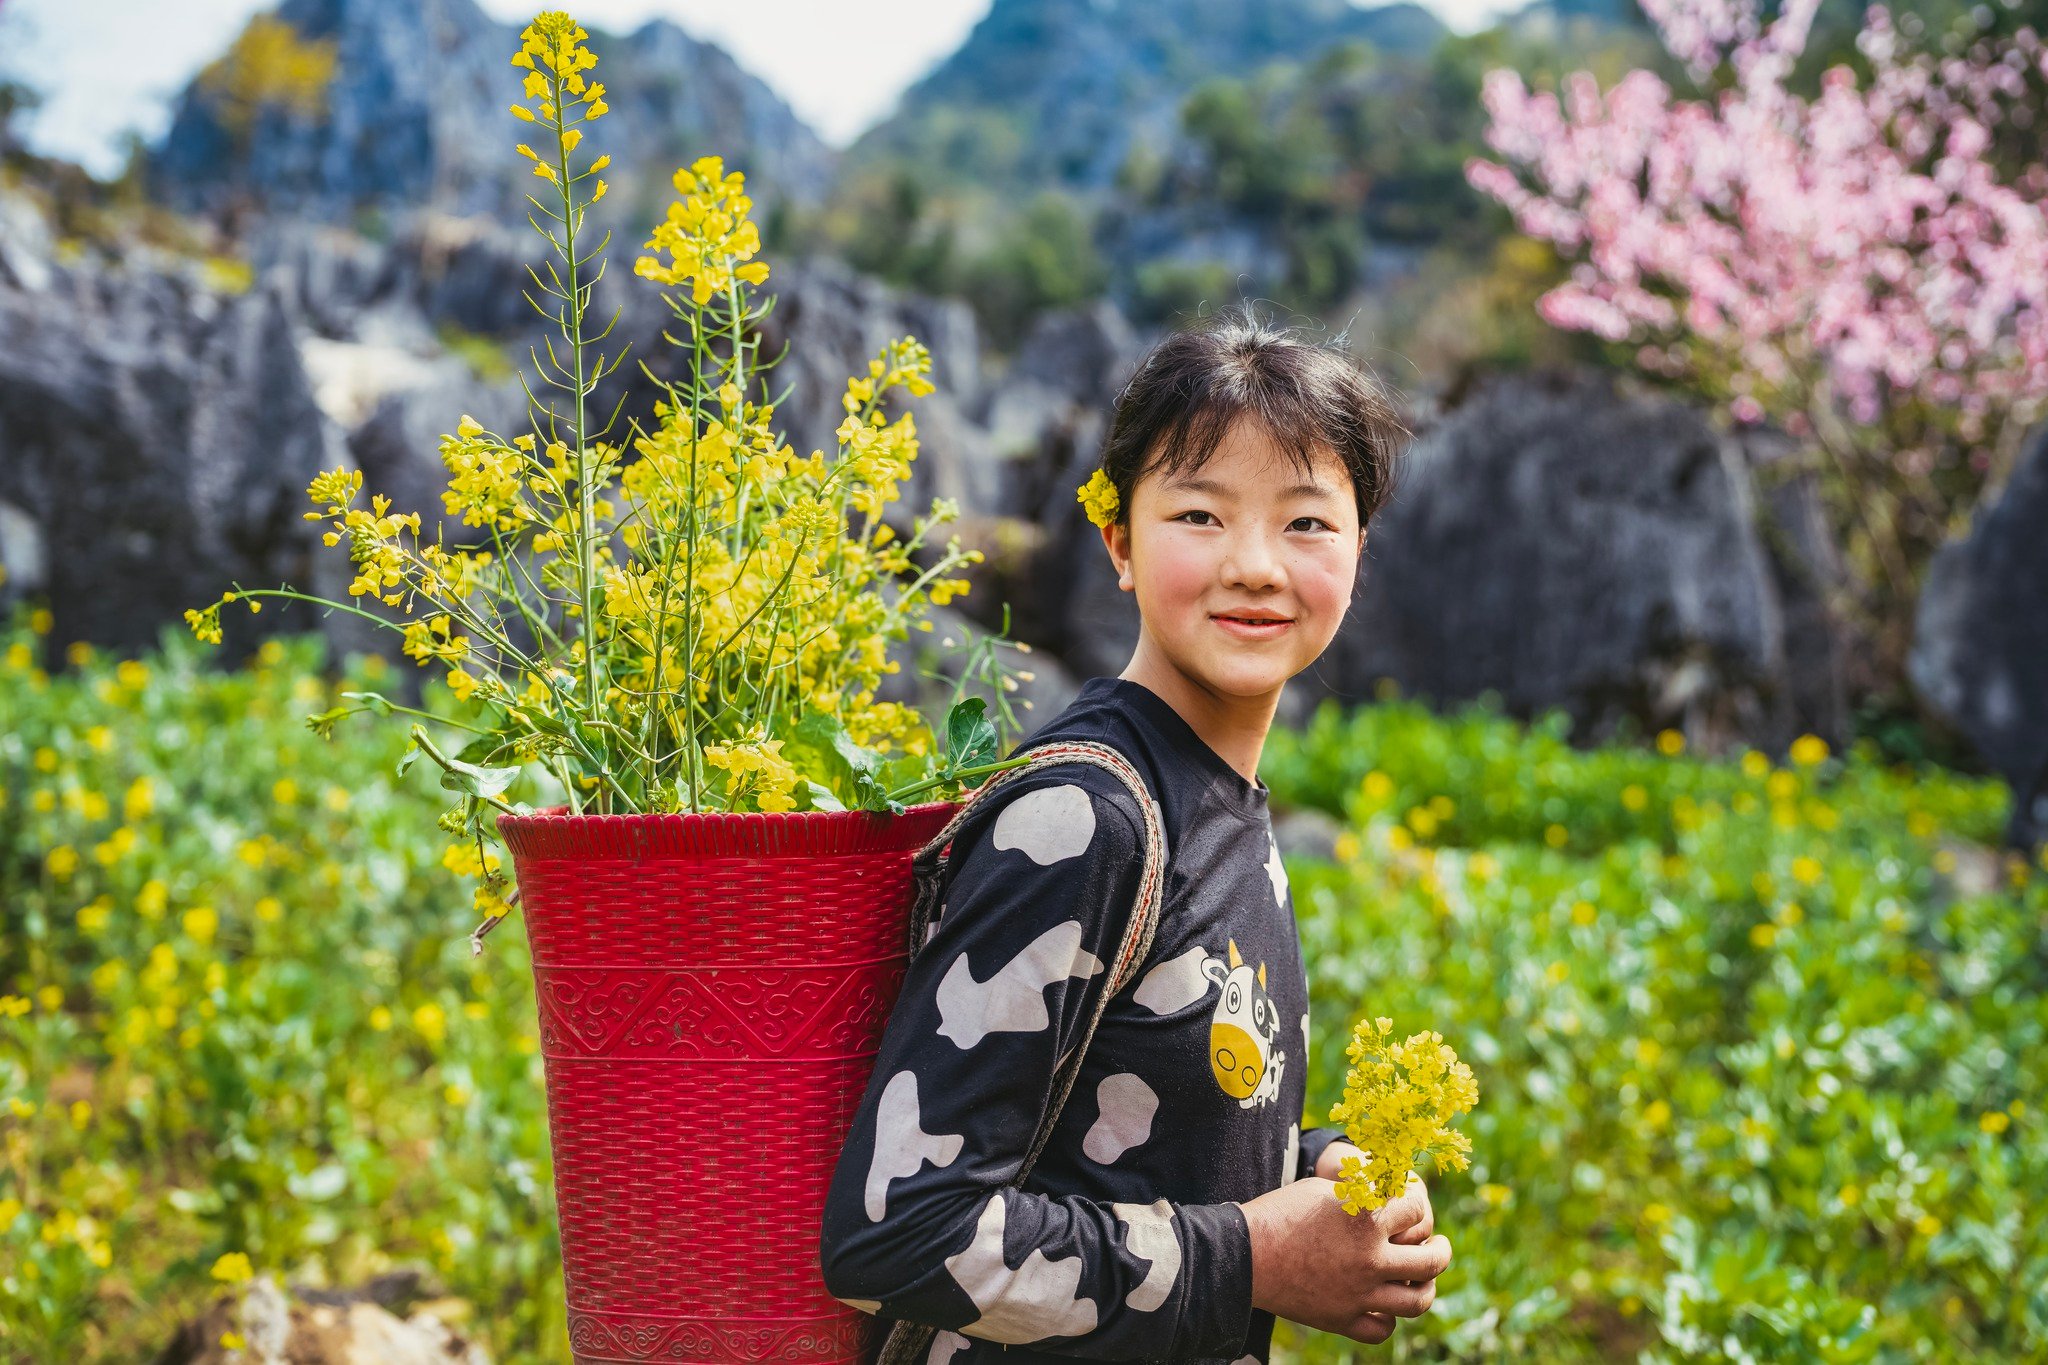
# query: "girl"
{"points": [[1178, 1207]]}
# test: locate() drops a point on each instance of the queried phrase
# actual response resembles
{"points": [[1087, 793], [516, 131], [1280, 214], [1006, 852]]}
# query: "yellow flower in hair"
{"points": [[1098, 498]]}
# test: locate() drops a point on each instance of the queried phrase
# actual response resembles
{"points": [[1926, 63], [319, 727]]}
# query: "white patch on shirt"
{"points": [[901, 1144], [1050, 824], [1291, 1158], [1036, 1300], [1175, 983], [1126, 1106], [1276, 872], [864, 1305], [1013, 1000], [1151, 1238], [944, 1344], [931, 929]]}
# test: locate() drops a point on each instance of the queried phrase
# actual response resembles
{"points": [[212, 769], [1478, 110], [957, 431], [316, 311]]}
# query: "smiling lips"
{"points": [[1252, 625]]}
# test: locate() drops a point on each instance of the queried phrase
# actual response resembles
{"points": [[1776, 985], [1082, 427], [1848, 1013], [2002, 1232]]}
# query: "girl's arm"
{"points": [[919, 1224]]}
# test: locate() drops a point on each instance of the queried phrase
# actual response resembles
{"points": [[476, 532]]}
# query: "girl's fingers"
{"points": [[1401, 1300], [1424, 1262]]}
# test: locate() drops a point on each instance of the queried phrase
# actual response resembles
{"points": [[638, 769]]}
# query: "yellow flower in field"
{"points": [[1763, 935], [40, 621], [1656, 1215], [1806, 870], [1583, 912], [233, 1268], [200, 922], [1657, 1113], [46, 760], [1994, 1121], [1098, 497], [20, 1108], [1783, 785], [269, 909], [1556, 836], [431, 1021], [1557, 973], [153, 899], [1494, 1196], [284, 791], [94, 917], [139, 800], [1634, 797], [464, 861], [14, 1006], [1808, 750], [1670, 743], [1345, 847], [61, 861], [20, 658], [380, 1019], [1927, 1225], [1850, 1196], [51, 998], [10, 1209]]}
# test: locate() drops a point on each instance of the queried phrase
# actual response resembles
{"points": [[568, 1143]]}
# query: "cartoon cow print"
{"points": [[1242, 1030]]}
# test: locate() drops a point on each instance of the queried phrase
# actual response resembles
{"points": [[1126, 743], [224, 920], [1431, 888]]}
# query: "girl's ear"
{"points": [[1116, 538]]}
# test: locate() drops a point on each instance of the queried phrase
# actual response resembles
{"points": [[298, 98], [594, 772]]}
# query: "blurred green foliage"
{"points": [[1760, 1042], [1761, 1045]]}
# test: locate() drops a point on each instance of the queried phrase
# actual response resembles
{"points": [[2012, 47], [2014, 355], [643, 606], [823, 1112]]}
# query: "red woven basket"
{"points": [[711, 991]]}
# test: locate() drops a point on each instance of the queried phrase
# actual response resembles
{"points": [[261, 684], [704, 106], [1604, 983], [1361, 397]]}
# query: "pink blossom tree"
{"points": [[1863, 267]]}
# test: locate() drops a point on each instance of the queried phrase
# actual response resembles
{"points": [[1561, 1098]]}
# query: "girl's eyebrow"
{"points": [[1298, 490]]}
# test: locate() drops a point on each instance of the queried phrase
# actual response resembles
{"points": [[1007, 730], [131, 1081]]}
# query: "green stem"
{"points": [[955, 776]]}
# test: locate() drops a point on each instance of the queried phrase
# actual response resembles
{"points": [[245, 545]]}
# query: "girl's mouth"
{"points": [[1253, 628]]}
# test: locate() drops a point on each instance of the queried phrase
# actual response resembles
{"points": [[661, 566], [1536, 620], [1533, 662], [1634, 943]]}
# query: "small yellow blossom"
{"points": [[1670, 743], [233, 1268], [1098, 497]]}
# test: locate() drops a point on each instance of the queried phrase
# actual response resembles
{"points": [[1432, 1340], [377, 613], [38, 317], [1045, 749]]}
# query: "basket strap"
{"points": [[909, 1342]]}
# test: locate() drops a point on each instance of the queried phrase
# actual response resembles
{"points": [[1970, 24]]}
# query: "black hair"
{"points": [[1193, 385]]}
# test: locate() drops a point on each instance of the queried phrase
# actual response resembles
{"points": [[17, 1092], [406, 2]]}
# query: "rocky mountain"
{"points": [[414, 114], [1054, 92]]}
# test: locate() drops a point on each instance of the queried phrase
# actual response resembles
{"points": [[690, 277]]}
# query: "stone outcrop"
{"points": [[1980, 648], [1558, 544], [156, 441], [321, 1327]]}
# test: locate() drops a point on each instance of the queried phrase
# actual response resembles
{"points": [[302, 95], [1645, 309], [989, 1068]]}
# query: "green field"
{"points": [[1756, 1040]]}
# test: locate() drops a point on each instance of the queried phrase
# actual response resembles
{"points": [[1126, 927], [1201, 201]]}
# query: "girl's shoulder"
{"points": [[1060, 809]]}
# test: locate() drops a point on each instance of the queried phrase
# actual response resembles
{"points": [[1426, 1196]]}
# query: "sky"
{"points": [[106, 68]]}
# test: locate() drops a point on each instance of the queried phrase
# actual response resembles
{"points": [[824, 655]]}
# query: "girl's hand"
{"points": [[1315, 1264]]}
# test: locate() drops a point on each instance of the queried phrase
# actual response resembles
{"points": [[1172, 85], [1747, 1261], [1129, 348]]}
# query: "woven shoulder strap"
{"points": [[909, 1342]]}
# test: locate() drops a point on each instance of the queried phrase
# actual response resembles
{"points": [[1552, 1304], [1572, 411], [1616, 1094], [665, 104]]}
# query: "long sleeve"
{"points": [[918, 1222], [1313, 1140]]}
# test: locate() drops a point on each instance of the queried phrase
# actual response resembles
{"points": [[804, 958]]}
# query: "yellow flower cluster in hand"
{"points": [[706, 233], [1098, 497], [1399, 1100]]}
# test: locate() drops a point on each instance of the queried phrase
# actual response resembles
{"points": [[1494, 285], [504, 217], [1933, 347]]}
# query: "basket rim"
{"points": [[553, 832]]}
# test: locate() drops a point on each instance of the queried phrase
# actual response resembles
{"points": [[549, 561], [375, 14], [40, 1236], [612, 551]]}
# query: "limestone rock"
{"points": [[1980, 648]]}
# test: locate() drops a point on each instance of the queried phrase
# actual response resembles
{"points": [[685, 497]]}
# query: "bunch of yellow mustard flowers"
{"points": [[705, 628], [1399, 1100]]}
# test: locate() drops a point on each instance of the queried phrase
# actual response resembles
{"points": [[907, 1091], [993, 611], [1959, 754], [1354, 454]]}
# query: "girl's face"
{"points": [[1243, 568]]}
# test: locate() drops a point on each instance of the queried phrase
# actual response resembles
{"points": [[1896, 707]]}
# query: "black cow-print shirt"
{"points": [[1127, 1241]]}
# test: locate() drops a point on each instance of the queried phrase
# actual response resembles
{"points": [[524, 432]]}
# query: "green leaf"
{"points": [[373, 700], [480, 748], [821, 797], [468, 777], [970, 736], [406, 760]]}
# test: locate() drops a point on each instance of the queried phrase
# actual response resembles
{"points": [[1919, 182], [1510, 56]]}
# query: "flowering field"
{"points": [[1752, 1040]]}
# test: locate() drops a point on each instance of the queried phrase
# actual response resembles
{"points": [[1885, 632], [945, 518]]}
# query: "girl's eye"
{"points": [[1196, 512], [1317, 520]]}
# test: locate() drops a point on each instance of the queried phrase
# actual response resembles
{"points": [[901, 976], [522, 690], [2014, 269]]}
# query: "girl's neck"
{"points": [[1235, 727]]}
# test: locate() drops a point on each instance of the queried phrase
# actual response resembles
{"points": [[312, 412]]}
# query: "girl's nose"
{"points": [[1250, 561]]}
